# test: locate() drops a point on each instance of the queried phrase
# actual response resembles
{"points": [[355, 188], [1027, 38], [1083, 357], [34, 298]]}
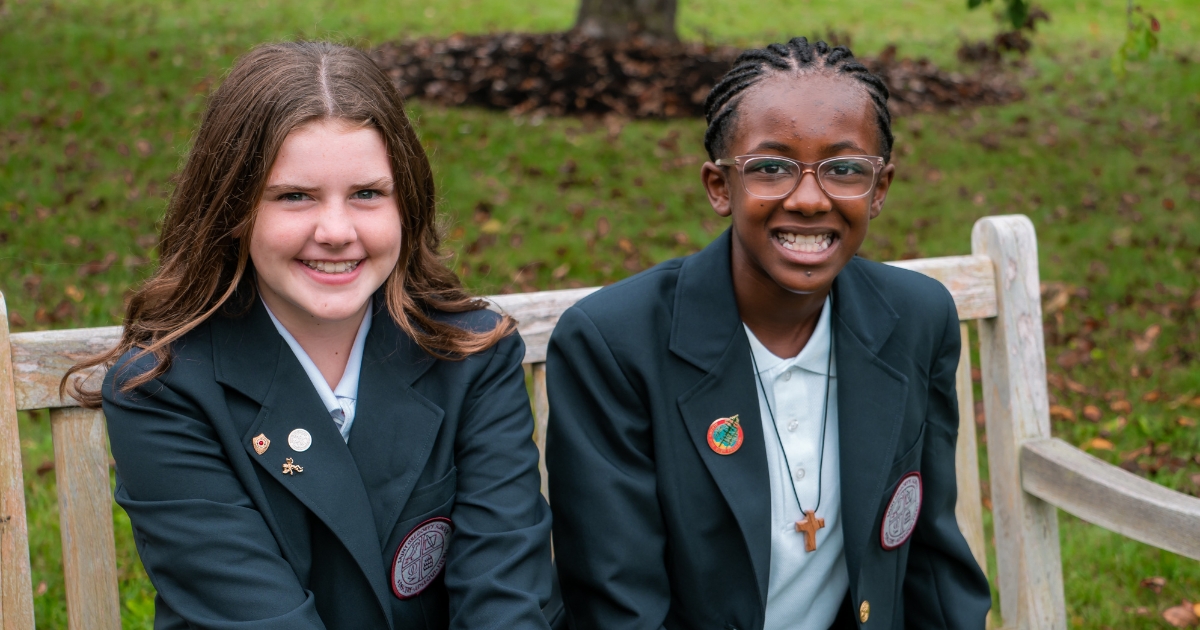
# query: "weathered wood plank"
{"points": [[536, 315], [541, 419], [1110, 497], [1013, 361], [969, 508], [970, 279], [85, 517], [41, 358], [16, 588]]}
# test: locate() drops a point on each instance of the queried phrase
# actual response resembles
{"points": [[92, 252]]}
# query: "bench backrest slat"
{"points": [[85, 517], [1017, 409], [969, 506], [16, 581], [41, 358]]}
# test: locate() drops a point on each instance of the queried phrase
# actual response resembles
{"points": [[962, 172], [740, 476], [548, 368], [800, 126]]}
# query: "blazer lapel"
{"points": [[394, 426], [329, 484], [871, 403], [707, 332]]}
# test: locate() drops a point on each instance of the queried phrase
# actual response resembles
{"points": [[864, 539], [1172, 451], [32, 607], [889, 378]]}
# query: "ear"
{"points": [[881, 189], [716, 184]]}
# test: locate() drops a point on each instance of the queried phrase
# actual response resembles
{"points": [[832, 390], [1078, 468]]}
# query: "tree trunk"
{"points": [[623, 19]]}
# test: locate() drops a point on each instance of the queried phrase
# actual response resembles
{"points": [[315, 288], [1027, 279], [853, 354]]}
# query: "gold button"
{"points": [[864, 611]]}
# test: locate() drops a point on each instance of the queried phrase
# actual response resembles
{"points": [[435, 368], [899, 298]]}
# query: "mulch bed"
{"points": [[564, 74]]}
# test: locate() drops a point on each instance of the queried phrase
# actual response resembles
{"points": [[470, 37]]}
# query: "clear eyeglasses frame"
{"points": [[776, 177]]}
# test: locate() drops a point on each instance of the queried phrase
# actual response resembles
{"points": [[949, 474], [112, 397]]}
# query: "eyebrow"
{"points": [[381, 183], [772, 145]]}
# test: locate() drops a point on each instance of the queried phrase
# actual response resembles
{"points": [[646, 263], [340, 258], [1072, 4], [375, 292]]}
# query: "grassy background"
{"points": [[98, 100]]}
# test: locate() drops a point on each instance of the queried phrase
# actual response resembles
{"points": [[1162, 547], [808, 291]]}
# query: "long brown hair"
{"points": [[205, 265]]}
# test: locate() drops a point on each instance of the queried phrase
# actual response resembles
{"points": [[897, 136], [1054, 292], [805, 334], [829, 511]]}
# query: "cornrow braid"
{"points": [[796, 56]]}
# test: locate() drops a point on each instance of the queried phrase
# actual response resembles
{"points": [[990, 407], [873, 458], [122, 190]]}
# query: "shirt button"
{"points": [[787, 376], [793, 424], [799, 474]]}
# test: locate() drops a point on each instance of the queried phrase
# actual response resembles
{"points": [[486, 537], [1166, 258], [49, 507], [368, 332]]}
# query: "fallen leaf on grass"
{"points": [[1092, 413], [15, 319], [1142, 344], [1185, 421], [41, 589], [1136, 453], [1099, 444], [96, 267], [1155, 583], [45, 467], [1121, 406], [1152, 396], [1182, 616], [1062, 413]]}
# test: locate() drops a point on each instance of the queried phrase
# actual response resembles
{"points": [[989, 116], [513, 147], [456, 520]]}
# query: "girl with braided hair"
{"points": [[761, 435]]}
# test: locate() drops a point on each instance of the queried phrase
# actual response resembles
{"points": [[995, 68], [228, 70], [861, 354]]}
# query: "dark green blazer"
{"points": [[652, 529], [232, 542]]}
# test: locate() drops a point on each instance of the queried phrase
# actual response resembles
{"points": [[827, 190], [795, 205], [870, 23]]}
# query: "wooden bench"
{"points": [[1031, 472]]}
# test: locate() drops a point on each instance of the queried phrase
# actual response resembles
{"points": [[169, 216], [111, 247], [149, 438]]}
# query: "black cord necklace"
{"points": [[810, 523]]}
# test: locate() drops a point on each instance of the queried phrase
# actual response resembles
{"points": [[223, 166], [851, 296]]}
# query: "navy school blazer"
{"points": [[230, 541], [653, 529]]}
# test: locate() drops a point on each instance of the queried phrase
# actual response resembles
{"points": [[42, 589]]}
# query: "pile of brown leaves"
{"points": [[567, 74]]}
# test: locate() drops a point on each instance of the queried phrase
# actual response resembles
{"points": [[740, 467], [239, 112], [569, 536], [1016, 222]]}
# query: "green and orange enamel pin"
{"points": [[725, 435]]}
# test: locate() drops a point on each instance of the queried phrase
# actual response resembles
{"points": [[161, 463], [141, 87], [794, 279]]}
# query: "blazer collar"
{"points": [[872, 397], [340, 482], [245, 349], [707, 332]]}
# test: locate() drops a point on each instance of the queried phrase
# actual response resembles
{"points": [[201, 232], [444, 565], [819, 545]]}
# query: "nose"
{"points": [[335, 224], [808, 198]]}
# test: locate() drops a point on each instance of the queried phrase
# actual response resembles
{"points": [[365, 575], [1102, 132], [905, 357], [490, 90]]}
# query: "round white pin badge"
{"points": [[900, 519], [421, 557], [299, 440]]}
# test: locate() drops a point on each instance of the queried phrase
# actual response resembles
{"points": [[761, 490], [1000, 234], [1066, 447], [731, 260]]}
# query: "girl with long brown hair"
{"points": [[314, 424]]}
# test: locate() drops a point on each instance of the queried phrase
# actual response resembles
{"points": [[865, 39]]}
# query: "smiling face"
{"points": [[327, 233], [799, 243]]}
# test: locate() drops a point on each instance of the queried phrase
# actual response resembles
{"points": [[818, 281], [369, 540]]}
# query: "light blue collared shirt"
{"points": [[341, 400], [805, 588]]}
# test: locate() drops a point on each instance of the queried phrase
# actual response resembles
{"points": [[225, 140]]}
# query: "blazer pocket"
{"points": [[910, 457], [430, 497]]}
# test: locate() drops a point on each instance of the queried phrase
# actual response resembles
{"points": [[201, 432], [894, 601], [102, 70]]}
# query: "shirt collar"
{"points": [[814, 357], [347, 387]]}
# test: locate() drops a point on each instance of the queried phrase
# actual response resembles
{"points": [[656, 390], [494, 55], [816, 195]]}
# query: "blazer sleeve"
{"points": [[206, 548], [609, 536], [499, 572], [944, 586]]}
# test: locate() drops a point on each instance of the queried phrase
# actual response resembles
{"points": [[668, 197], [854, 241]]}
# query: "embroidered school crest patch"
{"points": [[421, 557], [900, 519], [725, 435]]}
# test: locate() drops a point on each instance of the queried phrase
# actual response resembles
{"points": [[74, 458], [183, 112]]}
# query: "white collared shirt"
{"points": [[341, 400], [806, 588]]}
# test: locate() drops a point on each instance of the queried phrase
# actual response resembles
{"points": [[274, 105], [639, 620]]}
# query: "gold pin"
{"points": [[291, 468], [260, 443]]}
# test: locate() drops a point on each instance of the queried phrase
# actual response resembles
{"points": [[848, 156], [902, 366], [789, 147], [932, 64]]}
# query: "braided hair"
{"points": [[797, 56]]}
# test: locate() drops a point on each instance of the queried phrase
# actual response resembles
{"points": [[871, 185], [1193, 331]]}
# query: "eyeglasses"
{"points": [[775, 177]]}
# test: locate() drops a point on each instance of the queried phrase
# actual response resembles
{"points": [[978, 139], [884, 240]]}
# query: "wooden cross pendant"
{"points": [[809, 527]]}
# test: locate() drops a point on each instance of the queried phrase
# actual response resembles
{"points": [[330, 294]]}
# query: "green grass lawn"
{"points": [[98, 100]]}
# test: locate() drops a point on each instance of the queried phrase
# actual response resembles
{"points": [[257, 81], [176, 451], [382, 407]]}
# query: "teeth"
{"points": [[807, 243], [332, 267]]}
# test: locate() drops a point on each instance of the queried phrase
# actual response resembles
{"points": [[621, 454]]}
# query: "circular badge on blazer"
{"points": [[725, 435], [421, 557], [900, 519], [299, 440]]}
